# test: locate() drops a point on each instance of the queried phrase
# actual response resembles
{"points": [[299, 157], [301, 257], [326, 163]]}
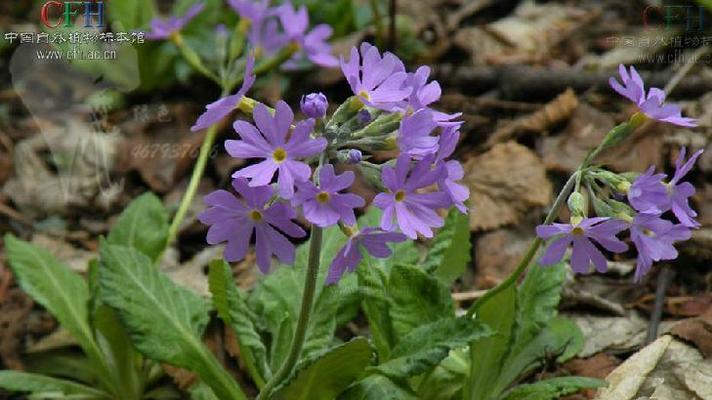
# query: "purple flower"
{"points": [[454, 172], [648, 194], [252, 10], [414, 212], [372, 239], [163, 29], [653, 104], [235, 220], [589, 230], [680, 192], [220, 109], [654, 238], [269, 141], [377, 81], [414, 135], [423, 94], [314, 105], [324, 205], [295, 23]]}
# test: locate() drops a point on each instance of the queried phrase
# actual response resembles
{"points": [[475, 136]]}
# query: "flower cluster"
{"points": [[390, 108], [649, 197]]}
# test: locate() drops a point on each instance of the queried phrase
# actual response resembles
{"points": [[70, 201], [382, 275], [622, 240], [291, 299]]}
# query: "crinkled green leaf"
{"points": [[60, 290], [142, 225], [449, 253], [377, 387], [425, 346], [277, 298], [15, 381], [488, 353], [553, 388], [373, 284], [416, 298], [537, 300], [232, 308], [326, 376], [165, 321], [561, 339], [445, 381]]}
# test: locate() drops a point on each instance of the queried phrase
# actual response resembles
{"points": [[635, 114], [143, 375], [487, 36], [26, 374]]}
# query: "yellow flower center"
{"points": [[364, 94], [577, 231], [648, 232], [323, 197], [279, 155], [255, 215], [400, 195]]}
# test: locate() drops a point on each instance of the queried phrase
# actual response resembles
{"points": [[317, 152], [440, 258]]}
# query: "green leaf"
{"points": [[33, 383], [377, 387], [373, 283], [537, 301], [64, 363], [561, 339], [487, 354], [277, 298], [450, 252], [553, 388], [129, 15], [416, 298], [165, 321], [324, 377], [445, 381], [58, 289], [143, 225], [427, 345], [232, 308]]}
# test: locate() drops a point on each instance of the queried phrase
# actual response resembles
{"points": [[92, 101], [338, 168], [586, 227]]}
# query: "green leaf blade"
{"points": [[553, 388], [326, 376], [142, 225], [425, 346], [165, 321], [34, 383]]}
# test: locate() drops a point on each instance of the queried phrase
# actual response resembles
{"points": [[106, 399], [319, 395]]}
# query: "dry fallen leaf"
{"points": [[610, 333], [667, 369], [625, 380], [497, 254], [696, 330], [506, 183]]}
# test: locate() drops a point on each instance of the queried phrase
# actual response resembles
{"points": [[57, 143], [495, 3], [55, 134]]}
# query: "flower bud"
{"points": [[577, 204], [364, 116], [314, 105], [354, 156]]}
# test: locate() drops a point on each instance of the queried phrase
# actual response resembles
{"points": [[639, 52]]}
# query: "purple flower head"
{"points": [[414, 135], [654, 238], [314, 105], [354, 157], [252, 10], [268, 140], [583, 235], [219, 109], [377, 81], [163, 28], [648, 194], [364, 116], [680, 192], [324, 205], [372, 239], [236, 220], [653, 104], [423, 94], [454, 172], [414, 212], [295, 23]]}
